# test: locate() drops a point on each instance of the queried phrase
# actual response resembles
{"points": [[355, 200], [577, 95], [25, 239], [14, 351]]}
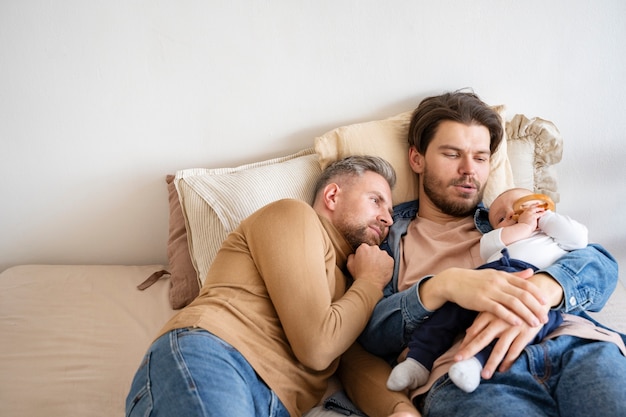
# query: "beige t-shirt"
{"points": [[429, 248]]}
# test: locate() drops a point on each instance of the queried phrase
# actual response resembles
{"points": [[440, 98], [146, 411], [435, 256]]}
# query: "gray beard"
{"points": [[356, 236]]}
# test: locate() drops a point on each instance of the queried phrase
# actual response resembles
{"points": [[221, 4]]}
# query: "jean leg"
{"points": [[562, 377], [514, 393], [591, 380], [393, 320], [190, 372]]}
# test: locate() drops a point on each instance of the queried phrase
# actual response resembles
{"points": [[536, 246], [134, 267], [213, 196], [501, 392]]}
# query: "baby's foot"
{"points": [[466, 374], [407, 374]]}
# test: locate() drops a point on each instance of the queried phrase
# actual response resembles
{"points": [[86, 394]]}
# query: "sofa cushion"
{"points": [[73, 337]]}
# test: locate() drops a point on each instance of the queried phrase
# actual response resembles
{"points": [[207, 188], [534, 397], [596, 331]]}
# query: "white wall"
{"points": [[99, 100]]}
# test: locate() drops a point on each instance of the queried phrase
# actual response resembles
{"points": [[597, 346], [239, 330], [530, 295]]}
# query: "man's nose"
{"points": [[467, 166], [385, 218]]}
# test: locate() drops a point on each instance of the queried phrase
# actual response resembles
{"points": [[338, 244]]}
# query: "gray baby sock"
{"points": [[466, 374], [407, 374]]}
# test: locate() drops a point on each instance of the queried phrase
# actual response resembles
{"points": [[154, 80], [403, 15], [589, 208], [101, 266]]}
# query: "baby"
{"points": [[527, 234]]}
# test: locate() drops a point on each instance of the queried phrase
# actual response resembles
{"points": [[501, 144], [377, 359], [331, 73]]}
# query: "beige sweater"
{"points": [[277, 292]]}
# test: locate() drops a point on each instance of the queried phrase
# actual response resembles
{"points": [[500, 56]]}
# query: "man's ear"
{"points": [[416, 160], [330, 194]]}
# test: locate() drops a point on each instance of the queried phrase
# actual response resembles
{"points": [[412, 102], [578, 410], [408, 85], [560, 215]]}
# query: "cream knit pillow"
{"points": [[215, 201]]}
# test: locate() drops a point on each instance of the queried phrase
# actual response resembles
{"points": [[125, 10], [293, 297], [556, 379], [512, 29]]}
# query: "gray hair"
{"points": [[355, 166]]}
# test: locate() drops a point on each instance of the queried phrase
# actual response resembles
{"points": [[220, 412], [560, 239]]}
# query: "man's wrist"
{"points": [[550, 288]]}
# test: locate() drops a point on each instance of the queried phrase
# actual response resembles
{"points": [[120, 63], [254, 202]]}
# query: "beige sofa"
{"points": [[73, 335]]}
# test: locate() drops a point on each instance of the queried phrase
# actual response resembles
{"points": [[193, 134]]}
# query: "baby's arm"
{"points": [[494, 241], [568, 234]]}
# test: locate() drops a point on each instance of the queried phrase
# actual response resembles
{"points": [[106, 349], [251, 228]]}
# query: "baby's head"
{"points": [[501, 211]]}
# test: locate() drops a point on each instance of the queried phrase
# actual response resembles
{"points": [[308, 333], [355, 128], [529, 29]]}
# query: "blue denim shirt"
{"points": [[588, 277]]}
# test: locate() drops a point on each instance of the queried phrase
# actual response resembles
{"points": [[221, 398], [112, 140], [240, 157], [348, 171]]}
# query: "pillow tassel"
{"points": [[152, 279]]}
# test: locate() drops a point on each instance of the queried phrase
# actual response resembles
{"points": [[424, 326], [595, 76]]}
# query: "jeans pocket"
{"points": [[202, 333], [139, 399]]}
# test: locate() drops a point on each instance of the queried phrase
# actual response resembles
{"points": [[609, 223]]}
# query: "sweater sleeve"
{"points": [[297, 262]]}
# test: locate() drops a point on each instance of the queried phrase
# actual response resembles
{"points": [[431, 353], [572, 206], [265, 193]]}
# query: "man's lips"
{"points": [[465, 187], [378, 230], [468, 187]]}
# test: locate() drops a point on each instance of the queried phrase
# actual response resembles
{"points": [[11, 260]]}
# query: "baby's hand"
{"points": [[531, 216]]}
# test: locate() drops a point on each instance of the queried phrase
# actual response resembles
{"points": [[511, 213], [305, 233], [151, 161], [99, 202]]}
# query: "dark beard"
{"points": [[436, 193]]}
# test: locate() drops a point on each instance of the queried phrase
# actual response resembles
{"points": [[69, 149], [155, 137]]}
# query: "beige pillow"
{"points": [[215, 201], [387, 138]]}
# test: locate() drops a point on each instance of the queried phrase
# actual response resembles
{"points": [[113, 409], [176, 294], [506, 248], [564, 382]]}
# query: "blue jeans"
{"points": [[191, 372], [562, 377]]}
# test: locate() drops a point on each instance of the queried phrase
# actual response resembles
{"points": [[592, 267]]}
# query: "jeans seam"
{"points": [[182, 366], [546, 364], [145, 392]]}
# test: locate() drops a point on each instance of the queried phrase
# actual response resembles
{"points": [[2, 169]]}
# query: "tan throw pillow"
{"points": [[184, 282], [215, 201], [387, 139], [501, 174]]}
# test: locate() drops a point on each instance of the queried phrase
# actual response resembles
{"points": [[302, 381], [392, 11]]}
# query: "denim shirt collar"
{"points": [[402, 216], [409, 210]]}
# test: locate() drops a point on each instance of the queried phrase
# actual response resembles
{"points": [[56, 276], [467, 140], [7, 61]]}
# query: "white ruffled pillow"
{"points": [[535, 147]]}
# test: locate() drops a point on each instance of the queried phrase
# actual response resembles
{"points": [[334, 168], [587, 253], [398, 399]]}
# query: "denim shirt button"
{"points": [[572, 301]]}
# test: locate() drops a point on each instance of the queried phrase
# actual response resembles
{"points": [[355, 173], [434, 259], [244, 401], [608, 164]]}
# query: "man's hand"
{"points": [[512, 297], [511, 342], [372, 264]]}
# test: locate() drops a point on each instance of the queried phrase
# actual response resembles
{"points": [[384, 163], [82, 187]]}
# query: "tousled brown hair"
{"points": [[459, 106]]}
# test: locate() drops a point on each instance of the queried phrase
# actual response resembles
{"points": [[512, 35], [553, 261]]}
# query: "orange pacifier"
{"points": [[539, 200]]}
